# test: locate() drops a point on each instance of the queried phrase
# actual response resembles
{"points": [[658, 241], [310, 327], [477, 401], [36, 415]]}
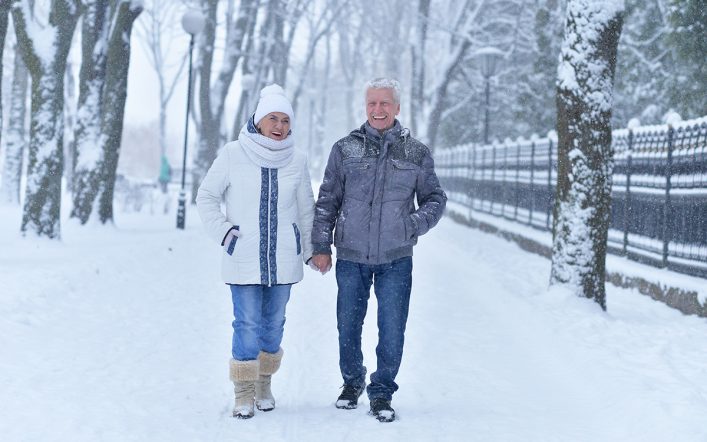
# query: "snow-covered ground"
{"points": [[123, 334]]}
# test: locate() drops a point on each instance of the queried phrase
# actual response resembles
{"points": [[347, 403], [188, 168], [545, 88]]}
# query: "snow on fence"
{"points": [[659, 194]]}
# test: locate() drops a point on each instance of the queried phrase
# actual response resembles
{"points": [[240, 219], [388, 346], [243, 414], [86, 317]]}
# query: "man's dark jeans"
{"points": [[391, 283]]}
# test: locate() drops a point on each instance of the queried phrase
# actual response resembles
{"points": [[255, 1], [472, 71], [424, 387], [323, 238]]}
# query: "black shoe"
{"points": [[381, 410], [348, 399]]}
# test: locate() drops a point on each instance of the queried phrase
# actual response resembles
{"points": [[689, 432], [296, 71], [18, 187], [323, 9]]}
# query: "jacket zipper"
{"points": [[268, 249]]}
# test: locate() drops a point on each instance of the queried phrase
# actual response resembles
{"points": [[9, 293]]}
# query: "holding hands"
{"points": [[320, 263]]}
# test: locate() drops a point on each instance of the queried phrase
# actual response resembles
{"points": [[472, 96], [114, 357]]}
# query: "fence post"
{"points": [[667, 207], [473, 172], [493, 176], [504, 184], [549, 184], [515, 212], [532, 183], [483, 179], [457, 168], [469, 171], [627, 200]]}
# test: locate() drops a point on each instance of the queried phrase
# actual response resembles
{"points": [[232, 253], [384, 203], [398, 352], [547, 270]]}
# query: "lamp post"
{"points": [[192, 22], [489, 57]]}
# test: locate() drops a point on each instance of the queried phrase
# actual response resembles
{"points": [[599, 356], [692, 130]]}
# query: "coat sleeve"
{"points": [[208, 198], [305, 207], [328, 204], [431, 199]]}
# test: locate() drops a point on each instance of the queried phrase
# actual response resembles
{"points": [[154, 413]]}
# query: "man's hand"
{"points": [[322, 262]]}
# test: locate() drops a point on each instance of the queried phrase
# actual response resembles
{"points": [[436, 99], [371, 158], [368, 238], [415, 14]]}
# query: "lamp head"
{"points": [[193, 21]]}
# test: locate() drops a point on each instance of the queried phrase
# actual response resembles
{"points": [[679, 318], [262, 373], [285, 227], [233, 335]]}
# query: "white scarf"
{"points": [[266, 152]]}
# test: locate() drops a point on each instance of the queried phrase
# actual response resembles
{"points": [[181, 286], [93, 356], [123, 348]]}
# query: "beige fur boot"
{"points": [[244, 374], [269, 364]]}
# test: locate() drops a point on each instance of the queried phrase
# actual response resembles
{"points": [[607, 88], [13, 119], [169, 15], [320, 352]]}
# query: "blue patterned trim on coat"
{"points": [[263, 224], [273, 227], [232, 244], [297, 238]]}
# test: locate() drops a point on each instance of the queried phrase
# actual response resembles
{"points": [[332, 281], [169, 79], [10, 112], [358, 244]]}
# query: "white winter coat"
{"points": [[273, 210]]}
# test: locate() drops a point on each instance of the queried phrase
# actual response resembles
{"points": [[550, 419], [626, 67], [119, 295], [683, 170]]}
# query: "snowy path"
{"points": [[124, 335]]}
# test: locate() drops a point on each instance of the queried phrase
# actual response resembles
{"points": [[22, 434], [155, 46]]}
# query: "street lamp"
{"points": [[192, 22], [489, 57]]}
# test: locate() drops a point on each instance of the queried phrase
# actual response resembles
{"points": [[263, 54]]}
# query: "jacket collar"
{"points": [[393, 134]]}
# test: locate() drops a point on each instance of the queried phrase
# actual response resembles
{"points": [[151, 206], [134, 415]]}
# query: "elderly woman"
{"points": [[265, 234]]}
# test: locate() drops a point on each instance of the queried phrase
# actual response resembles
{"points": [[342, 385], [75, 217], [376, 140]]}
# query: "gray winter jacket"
{"points": [[367, 197]]}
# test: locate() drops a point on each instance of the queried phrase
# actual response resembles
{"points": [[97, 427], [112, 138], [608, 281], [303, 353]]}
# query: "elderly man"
{"points": [[366, 205]]}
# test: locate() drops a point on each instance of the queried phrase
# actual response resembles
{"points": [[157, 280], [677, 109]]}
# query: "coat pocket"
{"points": [[401, 179], [232, 244], [297, 238], [359, 177]]}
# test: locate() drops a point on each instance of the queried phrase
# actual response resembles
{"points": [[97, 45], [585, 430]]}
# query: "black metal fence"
{"points": [[659, 193]]}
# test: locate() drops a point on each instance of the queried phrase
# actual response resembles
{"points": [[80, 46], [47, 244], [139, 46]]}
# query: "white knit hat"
{"points": [[273, 99]]}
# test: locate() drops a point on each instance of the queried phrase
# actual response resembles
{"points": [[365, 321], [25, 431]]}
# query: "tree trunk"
{"points": [[277, 58], [418, 65], [270, 40], [242, 113], [87, 147], [107, 26], [321, 116], [115, 93], [4, 13], [212, 97], [237, 34], [585, 158], [321, 28], [159, 22], [350, 58], [208, 141], [69, 127], [42, 208], [440, 93], [15, 138], [292, 20]]}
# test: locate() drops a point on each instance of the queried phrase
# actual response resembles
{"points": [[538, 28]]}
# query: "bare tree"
{"points": [[350, 32], [156, 30], [4, 13], [95, 31], [107, 26], [15, 139], [269, 49], [295, 9], [246, 75], [460, 42], [54, 28], [125, 13], [417, 88], [318, 153], [320, 26], [70, 103], [585, 158], [212, 95]]}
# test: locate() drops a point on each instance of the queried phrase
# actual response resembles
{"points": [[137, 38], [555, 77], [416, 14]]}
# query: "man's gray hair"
{"points": [[385, 83]]}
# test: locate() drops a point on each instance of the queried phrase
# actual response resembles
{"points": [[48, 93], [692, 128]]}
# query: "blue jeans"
{"points": [[259, 323], [392, 283]]}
